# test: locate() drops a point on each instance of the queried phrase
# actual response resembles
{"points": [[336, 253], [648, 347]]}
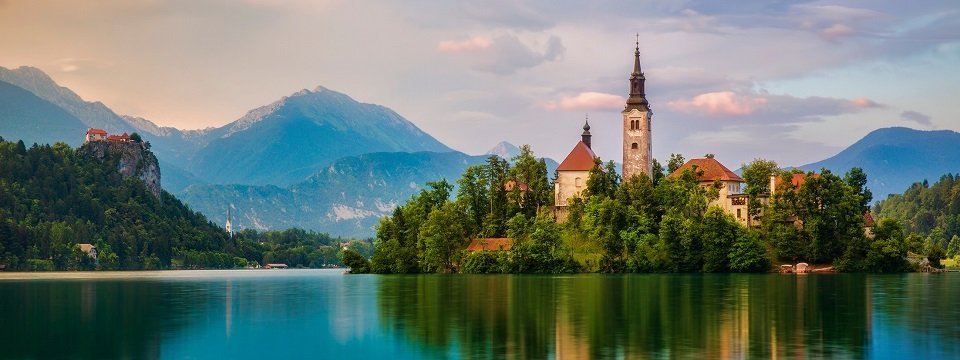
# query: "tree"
{"points": [[657, 172], [603, 180], [444, 237], [135, 137], [529, 170], [473, 196], [498, 172], [757, 174], [748, 254], [830, 212], [857, 180], [720, 231], [676, 161], [953, 248], [356, 262], [888, 250]]}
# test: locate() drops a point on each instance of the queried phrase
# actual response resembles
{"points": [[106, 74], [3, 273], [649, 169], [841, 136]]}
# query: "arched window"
{"points": [[634, 146]]}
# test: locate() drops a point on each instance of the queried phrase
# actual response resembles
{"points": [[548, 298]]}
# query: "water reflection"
{"points": [[324, 314], [639, 316]]}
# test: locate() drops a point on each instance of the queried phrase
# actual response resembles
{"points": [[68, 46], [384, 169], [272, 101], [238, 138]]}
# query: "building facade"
{"points": [[711, 172]]}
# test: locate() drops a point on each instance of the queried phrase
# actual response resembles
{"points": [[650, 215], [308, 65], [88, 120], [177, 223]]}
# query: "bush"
{"points": [[39, 265], [484, 262], [748, 254]]}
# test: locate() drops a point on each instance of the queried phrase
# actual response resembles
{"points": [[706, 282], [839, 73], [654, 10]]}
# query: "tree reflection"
{"points": [[632, 316], [88, 319]]}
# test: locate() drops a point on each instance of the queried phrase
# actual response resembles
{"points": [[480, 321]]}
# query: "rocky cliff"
{"points": [[133, 160]]}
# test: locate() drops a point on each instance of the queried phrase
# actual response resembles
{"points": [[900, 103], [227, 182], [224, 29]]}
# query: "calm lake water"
{"points": [[293, 314]]}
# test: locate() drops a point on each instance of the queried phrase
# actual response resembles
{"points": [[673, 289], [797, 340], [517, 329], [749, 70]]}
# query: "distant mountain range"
{"points": [[346, 198], [292, 138], [894, 158], [281, 143], [318, 159]]}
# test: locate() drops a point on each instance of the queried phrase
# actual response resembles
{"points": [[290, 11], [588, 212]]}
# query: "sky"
{"points": [[793, 82]]}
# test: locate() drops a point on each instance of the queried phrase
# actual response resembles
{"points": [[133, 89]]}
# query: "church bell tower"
{"points": [[637, 143]]}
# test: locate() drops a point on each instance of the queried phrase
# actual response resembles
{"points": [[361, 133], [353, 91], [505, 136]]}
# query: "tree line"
{"points": [[659, 223], [52, 198]]}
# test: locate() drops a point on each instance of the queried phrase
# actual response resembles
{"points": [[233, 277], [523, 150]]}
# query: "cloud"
{"points": [[474, 43], [723, 103], [864, 103], [67, 65], [767, 108], [586, 101], [836, 31], [505, 54], [916, 117]]}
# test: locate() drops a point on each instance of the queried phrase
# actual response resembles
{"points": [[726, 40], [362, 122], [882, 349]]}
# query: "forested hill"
{"points": [[928, 210], [55, 197]]}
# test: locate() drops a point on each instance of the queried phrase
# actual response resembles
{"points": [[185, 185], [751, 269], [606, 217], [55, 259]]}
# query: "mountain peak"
{"points": [[504, 150]]}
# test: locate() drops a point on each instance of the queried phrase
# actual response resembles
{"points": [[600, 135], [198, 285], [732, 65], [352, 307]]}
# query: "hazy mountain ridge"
{"points": [[894, 158], [348, 197], [288, 140], [24, 116]]}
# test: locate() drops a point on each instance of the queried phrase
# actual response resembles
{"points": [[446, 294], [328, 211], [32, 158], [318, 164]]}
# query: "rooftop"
{"points": [[712, 170], [579, 159], [490, 244]]}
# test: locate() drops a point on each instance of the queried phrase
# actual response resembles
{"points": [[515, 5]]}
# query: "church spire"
{"points": [[638, 97], [585, 137]]}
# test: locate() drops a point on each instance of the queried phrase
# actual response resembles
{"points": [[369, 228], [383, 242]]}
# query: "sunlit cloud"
{"points": [[474, 43], [864, 103], [586, 101], [768, 108], [67, 65], [836, 31], [723, 103]]}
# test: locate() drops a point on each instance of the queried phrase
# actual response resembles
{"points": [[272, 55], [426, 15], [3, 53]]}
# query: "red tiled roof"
{"points": [[93, 131], [868, 219], [490, 244], [579, 159], [712, 170], [796, 180]]}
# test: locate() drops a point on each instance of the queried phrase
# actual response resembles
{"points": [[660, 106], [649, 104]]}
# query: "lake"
{"points": [[281, 314]]}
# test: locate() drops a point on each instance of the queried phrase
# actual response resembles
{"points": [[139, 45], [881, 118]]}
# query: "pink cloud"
{"points": [[587, 101], [474, 43], [863, 103], [723, 103], [836, 31]]}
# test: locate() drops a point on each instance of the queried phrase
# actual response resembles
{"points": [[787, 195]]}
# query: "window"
{"points": [[634, 146], [578, 182], [738, 214]]}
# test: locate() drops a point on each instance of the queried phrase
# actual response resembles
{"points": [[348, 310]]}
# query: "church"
{"points": [[573, 172]]}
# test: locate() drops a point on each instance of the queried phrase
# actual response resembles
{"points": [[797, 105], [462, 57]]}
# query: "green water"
{"points": [[282, 314]]}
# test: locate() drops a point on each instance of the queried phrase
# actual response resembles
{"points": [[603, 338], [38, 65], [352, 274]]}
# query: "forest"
{"points": [[53, 198], [642, 224], [930, 215]]}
